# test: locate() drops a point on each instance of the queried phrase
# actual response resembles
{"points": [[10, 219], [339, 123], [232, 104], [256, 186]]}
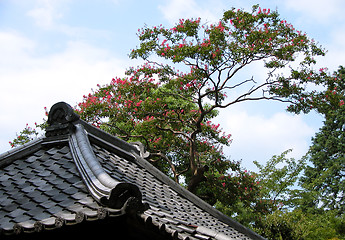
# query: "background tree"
{"points": [[299, 225], [324, 178], [279, 177], [318, 207], [275, 190], [279, 210]]}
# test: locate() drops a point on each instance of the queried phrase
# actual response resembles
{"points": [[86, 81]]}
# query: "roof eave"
{"points": [[11, 155]]}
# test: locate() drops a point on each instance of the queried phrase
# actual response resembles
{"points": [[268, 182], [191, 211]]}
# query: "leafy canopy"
{"points": [[211, 56]]}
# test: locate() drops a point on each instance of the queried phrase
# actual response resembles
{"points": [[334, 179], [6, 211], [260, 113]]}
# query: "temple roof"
{"points": [[78, 173]]}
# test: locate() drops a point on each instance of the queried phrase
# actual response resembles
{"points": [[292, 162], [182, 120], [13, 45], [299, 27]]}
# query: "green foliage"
{"points": [[289, 216], [325, 176], [271, 189], [324, 181], [275, 210], [298, 225], [279, 177]]}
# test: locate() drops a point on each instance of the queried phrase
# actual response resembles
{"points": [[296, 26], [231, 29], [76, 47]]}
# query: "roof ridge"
{"points": [[103, 188]]}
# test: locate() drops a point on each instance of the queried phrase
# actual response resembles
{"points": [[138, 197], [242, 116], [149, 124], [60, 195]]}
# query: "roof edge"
{"points": [[21, 151], [195, 199], [132, 152]]}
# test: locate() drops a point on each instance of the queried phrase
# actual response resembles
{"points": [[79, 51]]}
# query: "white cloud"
{"points": [[259, 137], [30, 82], [336, 50], [178, 9], [12, 46], [317, 12], [46, 12], [42, 16]]}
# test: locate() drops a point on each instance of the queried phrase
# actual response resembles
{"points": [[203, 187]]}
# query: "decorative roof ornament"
{"points": [[60, 119]]}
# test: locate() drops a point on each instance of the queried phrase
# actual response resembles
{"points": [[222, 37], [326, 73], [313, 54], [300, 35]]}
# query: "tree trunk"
{"points": [[197, 178], [195, 166]]}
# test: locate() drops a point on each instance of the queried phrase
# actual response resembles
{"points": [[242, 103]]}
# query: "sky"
{"points": [[58, 50]]}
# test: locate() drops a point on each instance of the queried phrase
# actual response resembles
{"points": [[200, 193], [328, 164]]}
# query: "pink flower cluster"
{"points": [[213, 126], [182, 22], [264, 11]]}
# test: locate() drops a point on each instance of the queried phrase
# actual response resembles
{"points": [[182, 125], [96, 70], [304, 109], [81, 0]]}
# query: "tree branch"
{"points": [[172, 166], [174, 132]]}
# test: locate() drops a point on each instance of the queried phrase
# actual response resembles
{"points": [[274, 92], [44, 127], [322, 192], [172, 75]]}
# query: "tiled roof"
{"points": [[79, 173]]}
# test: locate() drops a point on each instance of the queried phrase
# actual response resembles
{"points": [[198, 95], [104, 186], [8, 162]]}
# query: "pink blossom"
{"points": [[139, 103]]}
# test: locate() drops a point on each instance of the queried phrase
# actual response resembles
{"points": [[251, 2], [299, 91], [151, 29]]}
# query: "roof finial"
{"points": [[60, 119]]}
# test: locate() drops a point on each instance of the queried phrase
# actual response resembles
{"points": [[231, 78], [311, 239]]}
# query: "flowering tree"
{"points": [[199, 65], [169, 103], [138, 108]]}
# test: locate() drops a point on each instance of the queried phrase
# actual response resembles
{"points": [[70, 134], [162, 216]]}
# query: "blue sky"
{"points": [[57, 50]]}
